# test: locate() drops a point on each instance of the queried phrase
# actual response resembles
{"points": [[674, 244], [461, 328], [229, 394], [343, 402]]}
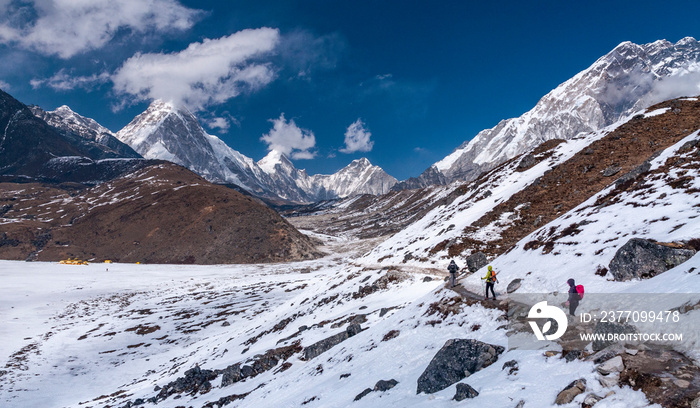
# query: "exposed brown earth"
{"points": [[159, 214], [584, 175]]}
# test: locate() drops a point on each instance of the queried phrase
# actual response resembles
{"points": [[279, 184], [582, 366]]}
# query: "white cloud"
{"points": [[685, 81], [357, 138], [62, 81], [203, 74], [288, 138], [220, 123], [68, 27], [4, 85]]}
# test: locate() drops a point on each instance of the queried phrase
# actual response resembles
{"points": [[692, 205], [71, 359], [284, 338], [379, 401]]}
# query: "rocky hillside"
{"points": [[158, 214], [629, 78], [496, 211]]}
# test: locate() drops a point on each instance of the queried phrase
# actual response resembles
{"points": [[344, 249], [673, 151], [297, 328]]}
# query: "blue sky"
{"points": [[402, 82]]}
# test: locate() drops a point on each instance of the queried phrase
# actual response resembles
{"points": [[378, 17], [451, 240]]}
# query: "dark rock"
{"points": [[225, 324], [521, 404], [602, 329], [427, 279], [257, 365], [571, 391], [363, 307], [512, 366], [465, 391], [363, 394], [346, 375], [384, 311], [514, 285], [385, 385], [643, 258], [572, 355], [231, 374], [326, 344], [456, 360], [195, 380], [476, 261], [611, 171], [526, 162]]}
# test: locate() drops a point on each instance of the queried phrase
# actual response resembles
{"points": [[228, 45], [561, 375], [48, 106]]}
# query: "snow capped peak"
{"points": [[687, 41], [363, 162], [168, 132], [627, 79], [63, 109], [272, 160]]}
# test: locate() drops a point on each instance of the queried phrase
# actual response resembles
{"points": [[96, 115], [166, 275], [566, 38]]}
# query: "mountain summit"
{"points": [[629, 78], [168, 132]]}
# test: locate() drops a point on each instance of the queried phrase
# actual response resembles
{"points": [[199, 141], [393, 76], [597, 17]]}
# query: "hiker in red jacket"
{"points": [[574, 297]]}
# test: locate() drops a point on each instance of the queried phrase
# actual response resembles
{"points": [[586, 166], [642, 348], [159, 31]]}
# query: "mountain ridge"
{"points": [[168, 132], [629, 78]]}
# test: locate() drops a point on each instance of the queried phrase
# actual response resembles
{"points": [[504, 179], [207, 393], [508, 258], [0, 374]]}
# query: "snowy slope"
{"points": [[657, 211], [85, 335], [629, 78], [448, 222]]}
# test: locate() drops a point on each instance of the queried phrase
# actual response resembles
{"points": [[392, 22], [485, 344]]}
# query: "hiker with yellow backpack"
{"points": [[490, 279]]}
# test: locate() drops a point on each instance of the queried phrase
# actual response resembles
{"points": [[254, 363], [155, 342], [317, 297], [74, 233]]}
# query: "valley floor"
{"points": [[105, 335]]}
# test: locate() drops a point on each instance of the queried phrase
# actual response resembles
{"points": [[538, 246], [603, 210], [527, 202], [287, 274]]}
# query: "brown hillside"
{"points": [[159, 214], [585, 174]]}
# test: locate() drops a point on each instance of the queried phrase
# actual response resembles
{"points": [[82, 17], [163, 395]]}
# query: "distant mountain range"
{"points": [[71, 189], [629, 78], [167, 132]]}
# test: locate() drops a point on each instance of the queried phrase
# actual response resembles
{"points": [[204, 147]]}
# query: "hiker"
{"points": [[453, 269], [574, 297], [490, 279]]}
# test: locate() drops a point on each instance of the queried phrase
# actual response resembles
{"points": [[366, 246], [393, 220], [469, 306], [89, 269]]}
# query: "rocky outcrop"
{"points": [[465, 391], [476, 261], [643, 258], [259, 364], [514, 285], [571, 391], [326, 344], [456, 360], [195, 381], [381, 386]]}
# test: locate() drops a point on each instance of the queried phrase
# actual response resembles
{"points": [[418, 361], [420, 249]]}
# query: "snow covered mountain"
{"points": [[372, 324], [167, 132], [90, 133], [629, 78], [359, 177]]}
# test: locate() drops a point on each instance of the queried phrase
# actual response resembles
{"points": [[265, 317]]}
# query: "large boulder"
{"points": [[476, 261], [465, 391], [514, 285], [456, 360], [643, 258]]}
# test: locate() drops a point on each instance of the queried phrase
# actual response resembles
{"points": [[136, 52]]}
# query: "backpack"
{"points": [[579, 289]]}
